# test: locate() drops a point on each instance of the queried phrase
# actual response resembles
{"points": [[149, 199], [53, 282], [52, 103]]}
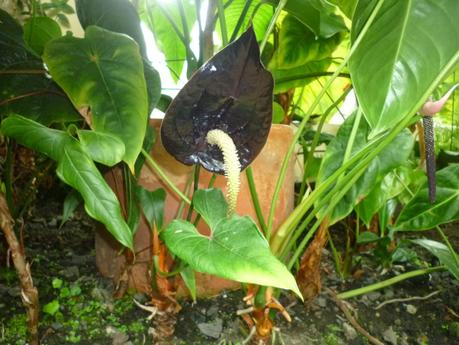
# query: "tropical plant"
{"points": [[394, 56]]}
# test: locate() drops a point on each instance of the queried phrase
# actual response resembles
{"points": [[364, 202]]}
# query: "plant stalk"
{"points": [[156, 168], [301, 126], [255, 200], [388, 282]]}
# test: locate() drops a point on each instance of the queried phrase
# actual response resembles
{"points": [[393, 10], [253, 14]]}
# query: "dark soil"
{"points": [[81, 310]]}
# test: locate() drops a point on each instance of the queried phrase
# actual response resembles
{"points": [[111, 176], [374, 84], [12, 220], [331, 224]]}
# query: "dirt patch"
{"points": [[79, 307]]}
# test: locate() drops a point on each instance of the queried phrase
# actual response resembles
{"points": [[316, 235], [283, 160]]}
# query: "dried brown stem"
{"points": [[29, 293], [342, 305]]}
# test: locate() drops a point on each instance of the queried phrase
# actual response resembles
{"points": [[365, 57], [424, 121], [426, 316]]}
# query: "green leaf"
{"points": [[114, 15], [40, 30], [104, 72], [50, 142], [442, 252], [211, 205], [74, 168], [420, 214], [298, 45], [394, 155], [155, 14], [71, 202], [101, 147], [278, 113], [367, 237], [153, 205], [189, 279], [408, 49], [318, 15], [346, 6], [258, 14], [52, 307], [77, 170], [236, 250], [286, 79], [57, 283]]}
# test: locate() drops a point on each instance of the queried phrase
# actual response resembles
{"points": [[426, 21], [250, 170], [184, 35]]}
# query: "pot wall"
{"points": [[265, 170]]}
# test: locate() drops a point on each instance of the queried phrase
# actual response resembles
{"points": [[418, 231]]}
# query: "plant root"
{"points": [[408, 299], [345, 309], [29, 293]]}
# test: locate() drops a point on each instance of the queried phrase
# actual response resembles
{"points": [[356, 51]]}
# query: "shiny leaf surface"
{"points": [[408, 49], [231, 92], [235, 250], [152, 203], [111, 83], [420, 214]]}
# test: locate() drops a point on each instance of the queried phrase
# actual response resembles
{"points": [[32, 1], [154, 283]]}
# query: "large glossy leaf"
{"points": [[158, 16], [231, 92], [442, 252], [420, 214], [40, 30], [121, 16], [298, 45], [394, 155], [235, 250], [410, 46], [76, 169], [104, 72], [114, 15], [101, 147]]}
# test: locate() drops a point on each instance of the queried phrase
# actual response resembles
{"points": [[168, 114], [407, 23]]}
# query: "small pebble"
{"points": [[349, 332], [390, 336], [212, 329], [411, 309]]}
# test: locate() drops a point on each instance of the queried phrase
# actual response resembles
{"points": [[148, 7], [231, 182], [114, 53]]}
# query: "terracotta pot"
{"points": [[265, 170]]}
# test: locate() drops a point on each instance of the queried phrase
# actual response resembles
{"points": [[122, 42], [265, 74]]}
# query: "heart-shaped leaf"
{"points": [[104, 72], [40, 30], [420, 214], [101, 147], [235, 250], [407, 50], [231, 92], [76, 169]]}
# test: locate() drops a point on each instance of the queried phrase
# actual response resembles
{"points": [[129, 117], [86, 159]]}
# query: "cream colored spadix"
{"points": [[231, 164]]}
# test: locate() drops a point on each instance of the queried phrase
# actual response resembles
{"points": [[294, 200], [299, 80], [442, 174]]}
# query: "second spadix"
{"points": [[229, 99]]}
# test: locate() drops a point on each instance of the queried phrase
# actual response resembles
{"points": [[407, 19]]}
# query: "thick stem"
{"points": [[29, 293], [231, 163]]}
